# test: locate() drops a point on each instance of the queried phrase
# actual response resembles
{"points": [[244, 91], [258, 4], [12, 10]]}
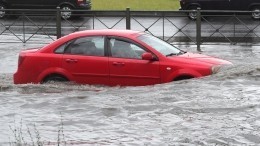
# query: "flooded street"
{"points": [[223, 109]]}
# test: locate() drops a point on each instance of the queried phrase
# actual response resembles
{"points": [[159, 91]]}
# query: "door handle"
{"points": [[71, 60], [118, 63]]}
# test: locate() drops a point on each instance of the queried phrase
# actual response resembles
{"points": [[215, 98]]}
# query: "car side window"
{"points": [[123, 49], [89, 46], [60, 49]]}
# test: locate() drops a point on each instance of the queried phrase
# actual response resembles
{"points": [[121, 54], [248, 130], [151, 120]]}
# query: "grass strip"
{"points": [[149, 5]]}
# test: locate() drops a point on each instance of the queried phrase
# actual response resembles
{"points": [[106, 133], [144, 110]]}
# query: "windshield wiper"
{"points": [[172, 54], [182, 52]]}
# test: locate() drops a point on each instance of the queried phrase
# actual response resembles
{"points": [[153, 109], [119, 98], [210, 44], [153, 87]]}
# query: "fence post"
{"points": [[23, 17], [128, 18], [198, 26], [58, 23]]}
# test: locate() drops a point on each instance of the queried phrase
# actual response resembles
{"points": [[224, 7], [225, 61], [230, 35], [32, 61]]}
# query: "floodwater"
{"points": [[223, 109]]}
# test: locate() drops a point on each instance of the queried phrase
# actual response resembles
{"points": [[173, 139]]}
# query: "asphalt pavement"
{"points": [[179, 29]]}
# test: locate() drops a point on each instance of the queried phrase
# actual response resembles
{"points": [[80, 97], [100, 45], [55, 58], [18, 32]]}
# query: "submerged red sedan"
{"points": [[112, 57]]}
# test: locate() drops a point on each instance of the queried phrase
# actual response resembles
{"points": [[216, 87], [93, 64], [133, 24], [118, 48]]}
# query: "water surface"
{"points": [[223, 109]]}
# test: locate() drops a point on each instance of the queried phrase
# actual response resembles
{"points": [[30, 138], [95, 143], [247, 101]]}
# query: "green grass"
{"points": [[135, 4]]}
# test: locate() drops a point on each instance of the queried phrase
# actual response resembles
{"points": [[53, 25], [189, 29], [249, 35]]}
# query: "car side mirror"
{"points": [[147, 56]]}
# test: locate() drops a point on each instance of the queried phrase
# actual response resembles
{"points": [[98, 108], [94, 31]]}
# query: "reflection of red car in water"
{"points": [[89, 57]]}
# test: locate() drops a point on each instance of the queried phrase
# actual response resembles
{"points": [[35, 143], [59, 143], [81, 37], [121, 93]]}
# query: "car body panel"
{"points": [[47, 7], [182, 65], [87, 69], [200, 59], [36, 65], [22, 3], [220, 4], [133, 72], [44, 4]]}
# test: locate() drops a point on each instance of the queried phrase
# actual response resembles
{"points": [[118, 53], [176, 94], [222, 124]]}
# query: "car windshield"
{"points": [[160, 45]]}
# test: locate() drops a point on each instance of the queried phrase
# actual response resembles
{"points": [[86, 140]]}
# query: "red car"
{"points": [[112, 57]]}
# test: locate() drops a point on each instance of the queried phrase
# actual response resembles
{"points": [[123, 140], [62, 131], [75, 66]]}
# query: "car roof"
{"points": [[114, 32], [106, 32]]}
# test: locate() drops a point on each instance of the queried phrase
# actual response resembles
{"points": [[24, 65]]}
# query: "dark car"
{"points": [[45, 4], [240, 5]]}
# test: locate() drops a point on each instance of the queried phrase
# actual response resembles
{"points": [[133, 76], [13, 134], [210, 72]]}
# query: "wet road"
{"points": [[225, 27], [223, 109]]}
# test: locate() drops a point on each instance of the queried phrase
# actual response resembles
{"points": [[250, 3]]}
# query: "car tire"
{"points": [[66, 15], [192, 15], [55, 78], [2, 12], [256, 13]]}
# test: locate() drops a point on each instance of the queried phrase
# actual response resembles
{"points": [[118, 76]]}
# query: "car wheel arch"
{"points": [[253, 5], [4, 6], [193, 5], [66, 3], [54, 76], [183, 77], [54, 71], [184, 74]]}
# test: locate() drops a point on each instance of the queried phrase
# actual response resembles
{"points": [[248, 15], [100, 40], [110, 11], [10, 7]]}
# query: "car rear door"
{"points": [[240, 4], [129, 68], [24, 4], [86, 61]]}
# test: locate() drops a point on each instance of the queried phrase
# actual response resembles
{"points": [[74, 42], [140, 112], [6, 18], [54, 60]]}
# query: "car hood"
{"points": [[196, 58]]}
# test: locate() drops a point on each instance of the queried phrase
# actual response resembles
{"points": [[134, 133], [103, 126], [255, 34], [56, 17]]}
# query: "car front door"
{"points": [[85, 60], [127, 67], [239, 4], [214, 4]]}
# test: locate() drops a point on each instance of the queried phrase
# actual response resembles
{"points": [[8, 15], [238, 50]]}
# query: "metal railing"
{"points": [[231, 27]]}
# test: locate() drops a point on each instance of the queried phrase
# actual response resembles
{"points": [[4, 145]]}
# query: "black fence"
{"points": [[210, 27]]}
